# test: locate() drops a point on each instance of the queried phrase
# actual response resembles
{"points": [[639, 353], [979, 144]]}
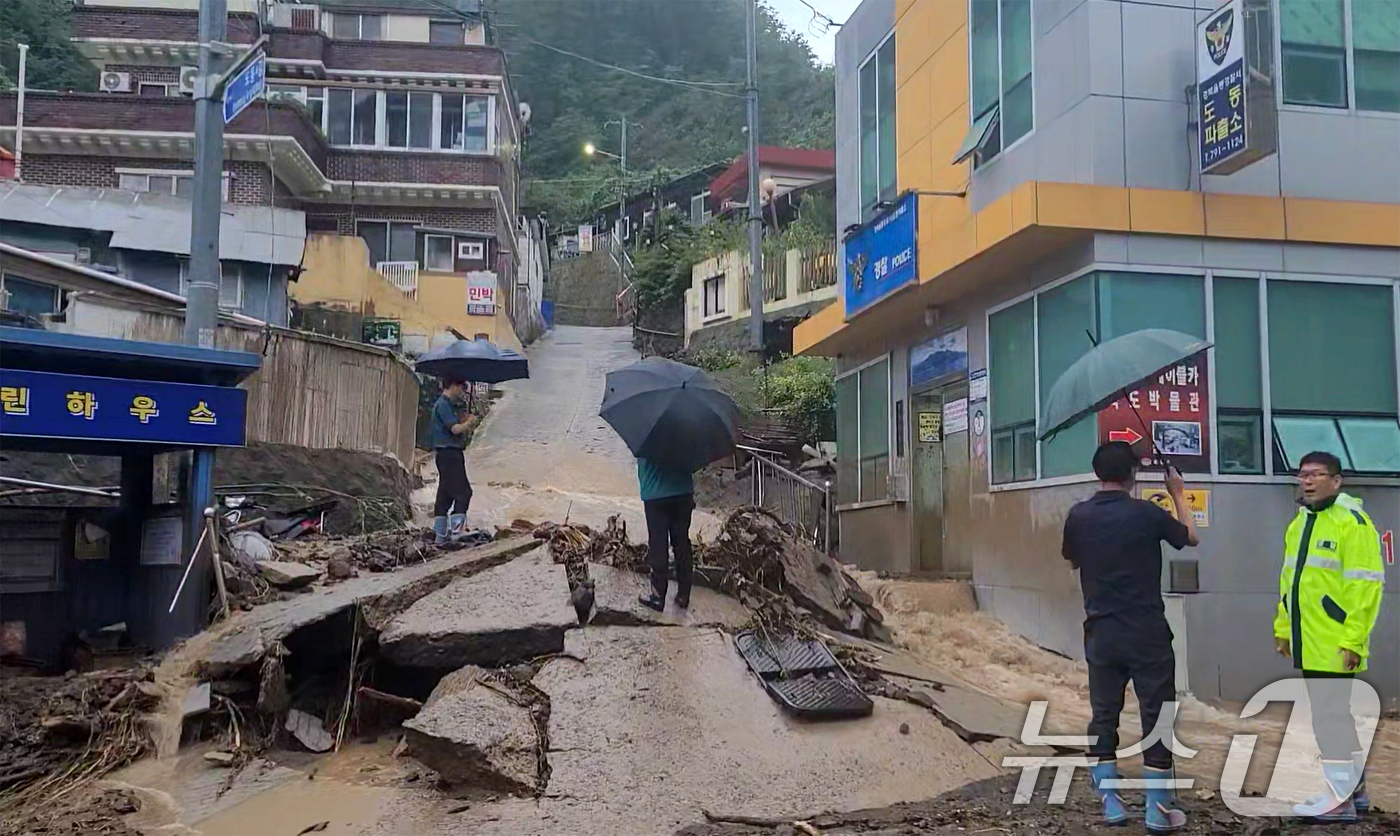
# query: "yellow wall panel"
{"points": [[946, 17], [1166, 212], [1244, 216], [818, 327], [911, 111], [994, 222], [1342, 222], [1024, 211], [943, 142], [912, 46], [913, 167], [947, 249], [1082, 207], [948, 71], [901, 7]]}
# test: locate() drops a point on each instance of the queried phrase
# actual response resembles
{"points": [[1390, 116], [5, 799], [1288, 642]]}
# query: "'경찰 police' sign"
{"points": [[882, 257], [47, 405], [1220, 86]]}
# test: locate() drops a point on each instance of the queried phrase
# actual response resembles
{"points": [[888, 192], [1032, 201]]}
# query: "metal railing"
{"points": [[401, 274], [818, 268], [795, 499]]}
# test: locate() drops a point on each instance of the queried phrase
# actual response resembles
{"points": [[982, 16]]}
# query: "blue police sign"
{"points": [[245, 88], [47, 405], [1220, 88], [883, 256]]}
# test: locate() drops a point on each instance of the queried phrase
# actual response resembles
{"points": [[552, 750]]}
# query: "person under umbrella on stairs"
{"points": [[1114, 540], [448, 434], [668, 498]]}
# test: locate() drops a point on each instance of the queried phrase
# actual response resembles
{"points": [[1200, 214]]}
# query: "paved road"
{"points": [[544, 454]]}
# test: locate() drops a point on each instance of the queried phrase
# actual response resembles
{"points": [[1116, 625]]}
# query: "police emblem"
{"points": [[1218, 34], [856, 266]]}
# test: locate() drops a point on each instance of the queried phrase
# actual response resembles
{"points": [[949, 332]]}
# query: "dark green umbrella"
{"points": [[1109, 370], [670, 413]]}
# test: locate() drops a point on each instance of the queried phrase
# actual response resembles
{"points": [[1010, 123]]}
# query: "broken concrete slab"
{"points": [[615, 593], [244, 639], [309, 731], [197, 700], [288, 575], [473, 733], [512, 612], [615, 719]]}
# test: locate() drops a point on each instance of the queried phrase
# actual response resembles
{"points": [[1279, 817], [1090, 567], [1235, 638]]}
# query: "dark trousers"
{"points": [[1329, 700], [454, 493], [1118, 654], [668, 528]]}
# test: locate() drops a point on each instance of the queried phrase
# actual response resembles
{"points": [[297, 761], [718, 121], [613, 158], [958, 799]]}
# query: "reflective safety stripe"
{"points": [[1325, 562], [1364, 575]]}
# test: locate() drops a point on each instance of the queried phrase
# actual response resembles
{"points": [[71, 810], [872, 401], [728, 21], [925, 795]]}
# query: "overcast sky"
{"points": [[798, 17]]}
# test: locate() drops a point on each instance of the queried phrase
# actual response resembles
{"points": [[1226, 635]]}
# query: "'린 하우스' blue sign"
{"points": [[47, 405], [882, 257]]}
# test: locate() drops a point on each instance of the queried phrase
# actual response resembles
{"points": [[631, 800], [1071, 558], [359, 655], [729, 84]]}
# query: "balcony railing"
{"points": [[818, 268], [401, 274]]}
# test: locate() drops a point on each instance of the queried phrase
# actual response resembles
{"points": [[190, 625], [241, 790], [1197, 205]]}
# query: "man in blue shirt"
{"points": [[447, 433], [668, 497]]}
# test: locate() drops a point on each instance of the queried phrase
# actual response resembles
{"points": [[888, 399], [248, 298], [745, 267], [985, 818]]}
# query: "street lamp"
{"points": [[591, 150]]}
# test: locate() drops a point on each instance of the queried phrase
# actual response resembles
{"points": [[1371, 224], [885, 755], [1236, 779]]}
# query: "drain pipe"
{"points": [[19, 115]]}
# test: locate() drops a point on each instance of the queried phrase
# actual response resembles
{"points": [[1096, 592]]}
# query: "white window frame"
{"points": [[141, 85], [388, 224], [888, 358], [1349, 67], [1269, 476], [471, 250], [359, 25], [705, 213], [382, 125], [977, 162], [451, 253], [860, 161], [460, 24], [173, 173], [5, 278], [719, 309], [224, 276]]}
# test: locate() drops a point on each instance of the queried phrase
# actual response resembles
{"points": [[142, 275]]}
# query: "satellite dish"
{"points": [[525, 111]]}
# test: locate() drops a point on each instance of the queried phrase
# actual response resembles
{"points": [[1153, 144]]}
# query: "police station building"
{"points": [[1021, 179]]}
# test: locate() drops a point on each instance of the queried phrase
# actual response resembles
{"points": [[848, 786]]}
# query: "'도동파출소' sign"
{"points": [[1222, 96], [883, 256], [48, 405]]}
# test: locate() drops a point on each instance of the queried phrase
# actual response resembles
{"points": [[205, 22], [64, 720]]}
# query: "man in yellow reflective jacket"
{"points": [[1330, 594]]}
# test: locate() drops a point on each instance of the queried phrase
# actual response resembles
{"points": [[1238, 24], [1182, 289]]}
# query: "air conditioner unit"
{"points": [[83, 256], [115, 82], [187, 75]]}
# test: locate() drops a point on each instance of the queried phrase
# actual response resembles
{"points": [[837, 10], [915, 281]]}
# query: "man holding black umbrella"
{"points": [[668, 498], [448, 435]]}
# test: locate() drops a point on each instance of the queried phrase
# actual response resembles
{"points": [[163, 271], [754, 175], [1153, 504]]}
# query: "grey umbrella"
{"points": [[670, 413], [477, 361], [1110, 369]]}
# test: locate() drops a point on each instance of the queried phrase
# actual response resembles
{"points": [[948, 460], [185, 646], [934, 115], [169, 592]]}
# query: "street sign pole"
{"points": [[202, 293], [755, 211]]}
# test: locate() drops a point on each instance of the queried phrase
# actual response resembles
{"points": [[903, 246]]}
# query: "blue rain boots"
{"points": [[439, 530], [1113, 811], [1162, 817], [456, 525], [1338, 804]]}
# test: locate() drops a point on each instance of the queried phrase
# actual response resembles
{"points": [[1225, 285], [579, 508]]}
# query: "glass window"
{"points": [[345, 26], [1011, 374], [1375, 34], [878, 176], [230, 287], [153, 91], [1238, 379], [396, 119], [371, 27], [847, 441], [1296, 436], [437, 253], [420, 120], [451, 136], [403, 242], [1129, 302], [874, 431], [1003, 108], [376, 238], [365, 119], [477, 107], [1313, 37], [1314, 326], [1066, 321], [339, 104], [714, 296], [446, 32], [316, 105], [132, 182], [32, 298]]}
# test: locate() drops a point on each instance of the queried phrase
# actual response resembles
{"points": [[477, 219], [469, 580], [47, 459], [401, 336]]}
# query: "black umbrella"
{"points": [[477, 361], [670, 413]]}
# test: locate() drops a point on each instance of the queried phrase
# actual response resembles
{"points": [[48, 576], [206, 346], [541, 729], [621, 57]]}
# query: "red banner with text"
{"points": [[1175, 414]]}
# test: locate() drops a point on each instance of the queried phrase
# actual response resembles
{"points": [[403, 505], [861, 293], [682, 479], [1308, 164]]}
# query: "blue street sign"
{"points": [[47, 405], [245, 88], [881, 257]]}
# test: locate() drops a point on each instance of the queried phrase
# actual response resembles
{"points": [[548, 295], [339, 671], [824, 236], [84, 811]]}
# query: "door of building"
{"points": [[939, 478], [927, 419]]}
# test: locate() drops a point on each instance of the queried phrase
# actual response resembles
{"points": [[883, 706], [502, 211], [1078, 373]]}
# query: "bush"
{"points": [[803, 391], [715, 359]]}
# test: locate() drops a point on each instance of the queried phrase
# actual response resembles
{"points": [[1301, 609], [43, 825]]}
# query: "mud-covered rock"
{"points": [[474, 733]]}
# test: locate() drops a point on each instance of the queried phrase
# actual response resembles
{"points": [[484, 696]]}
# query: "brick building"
{"points": [[388, 125]]}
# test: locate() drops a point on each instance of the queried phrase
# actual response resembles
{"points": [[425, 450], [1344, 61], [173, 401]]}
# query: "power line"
{"points": [[818, 16]]}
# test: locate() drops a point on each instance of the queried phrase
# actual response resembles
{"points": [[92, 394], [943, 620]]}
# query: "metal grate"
{"points": [[1185, 576]]}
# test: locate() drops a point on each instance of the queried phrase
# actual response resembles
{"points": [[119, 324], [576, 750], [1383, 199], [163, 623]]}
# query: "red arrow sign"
{"points": [[1129, 435]]}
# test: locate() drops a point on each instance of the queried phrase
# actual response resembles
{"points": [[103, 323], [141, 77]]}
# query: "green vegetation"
{"points": [[803, 391], [54, 63], [682, 127]]}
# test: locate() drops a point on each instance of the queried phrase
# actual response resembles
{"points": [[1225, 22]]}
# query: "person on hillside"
{"points": [[668, 497], [1330, 595], [448, 436], [1114, 540]]}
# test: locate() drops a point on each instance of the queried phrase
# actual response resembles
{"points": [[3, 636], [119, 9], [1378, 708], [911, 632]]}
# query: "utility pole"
{"points": [[755, 211], [19, 114], [202, 295]]}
